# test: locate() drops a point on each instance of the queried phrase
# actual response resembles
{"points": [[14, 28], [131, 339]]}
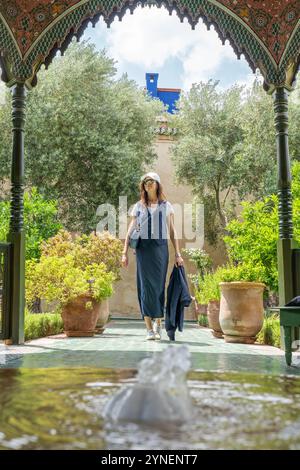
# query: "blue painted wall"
{"points": [[168, 97]]}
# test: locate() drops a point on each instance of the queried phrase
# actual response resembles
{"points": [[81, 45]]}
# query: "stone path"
{"points": [[123, 345]]}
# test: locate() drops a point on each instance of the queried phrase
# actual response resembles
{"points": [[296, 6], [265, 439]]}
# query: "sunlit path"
{"points": [[123, 345]]}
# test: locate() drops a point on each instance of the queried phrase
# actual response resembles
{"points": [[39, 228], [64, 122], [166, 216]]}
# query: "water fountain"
{"points": [[160, 395]]}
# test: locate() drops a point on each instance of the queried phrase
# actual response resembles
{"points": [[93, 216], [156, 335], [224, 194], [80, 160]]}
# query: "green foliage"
{"points": [[208, 288], [296, 199], [58, 278], [252, 238], [202, 320], [210, 128], [89, 136], [71, 267], [226, 149], [200, 258], [294, 120], [246, 272], [270, 332], [4, 219], [43, 324], [40, 221], [87, 249], [255, 168]]}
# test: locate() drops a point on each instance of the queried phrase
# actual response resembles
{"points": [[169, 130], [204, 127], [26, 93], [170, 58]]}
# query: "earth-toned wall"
{"points": [[124, 302]]}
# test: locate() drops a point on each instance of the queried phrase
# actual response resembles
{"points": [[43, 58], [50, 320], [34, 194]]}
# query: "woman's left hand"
{"points": [[179, 261]]}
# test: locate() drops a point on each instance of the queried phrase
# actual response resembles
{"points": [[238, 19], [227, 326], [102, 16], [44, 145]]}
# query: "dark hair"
{"points": [[159, 193]]}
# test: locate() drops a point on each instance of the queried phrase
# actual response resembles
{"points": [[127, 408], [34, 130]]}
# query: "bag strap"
{"points": [[138, 220]]}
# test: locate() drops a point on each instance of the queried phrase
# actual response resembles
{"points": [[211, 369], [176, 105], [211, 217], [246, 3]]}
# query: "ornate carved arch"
{"points": [[267, 33]]}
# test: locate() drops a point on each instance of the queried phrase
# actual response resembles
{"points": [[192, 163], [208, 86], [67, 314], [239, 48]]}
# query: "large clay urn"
{"points": [[78, 319], [241, 310], [213, 309], [103, 316]]}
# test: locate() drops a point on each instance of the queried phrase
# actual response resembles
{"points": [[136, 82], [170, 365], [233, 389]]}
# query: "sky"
{"points": [[151, 40]]}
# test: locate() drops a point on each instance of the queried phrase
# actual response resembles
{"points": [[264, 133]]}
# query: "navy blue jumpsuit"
{"points": [[152, 258]]}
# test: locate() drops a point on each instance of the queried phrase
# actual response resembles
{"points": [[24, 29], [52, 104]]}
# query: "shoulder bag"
{"points": [[135, 236]]}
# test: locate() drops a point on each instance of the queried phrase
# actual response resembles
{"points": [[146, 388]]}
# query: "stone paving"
{"points": [[123, 345]]}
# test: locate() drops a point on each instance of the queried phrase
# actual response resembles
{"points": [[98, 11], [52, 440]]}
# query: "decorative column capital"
{"points": [[280, 96]]}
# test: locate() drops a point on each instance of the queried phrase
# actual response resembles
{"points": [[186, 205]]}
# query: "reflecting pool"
{"points": [[63, 409]]}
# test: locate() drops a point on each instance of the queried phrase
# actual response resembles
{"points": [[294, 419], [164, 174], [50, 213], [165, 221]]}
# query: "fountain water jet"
{"points": [[160, 395]]}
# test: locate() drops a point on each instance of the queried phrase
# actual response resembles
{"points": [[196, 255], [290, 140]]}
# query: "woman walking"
{"points": [[153, 213]]}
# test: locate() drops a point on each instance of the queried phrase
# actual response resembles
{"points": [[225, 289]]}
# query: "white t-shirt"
{"points": [[169, 208]]}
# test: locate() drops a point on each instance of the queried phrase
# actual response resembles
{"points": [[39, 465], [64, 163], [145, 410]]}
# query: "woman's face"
{"points": [[150, 185]]}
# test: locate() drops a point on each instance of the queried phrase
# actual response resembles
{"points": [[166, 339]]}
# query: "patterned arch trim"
{"points": [[267, 33]]}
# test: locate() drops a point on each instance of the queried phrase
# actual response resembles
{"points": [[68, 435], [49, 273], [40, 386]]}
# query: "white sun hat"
{"points": [[152, 175]]}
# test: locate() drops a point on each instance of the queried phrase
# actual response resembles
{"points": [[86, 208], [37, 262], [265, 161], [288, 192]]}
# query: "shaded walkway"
{"points": [[123, 345]]}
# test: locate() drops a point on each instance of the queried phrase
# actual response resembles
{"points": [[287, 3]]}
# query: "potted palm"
{"points": [[241, 305]]}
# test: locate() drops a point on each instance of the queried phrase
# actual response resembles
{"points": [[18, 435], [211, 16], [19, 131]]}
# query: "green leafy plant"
{"points": [[87, 249], [270, 332], [72, 266], [44, 324], [227, 148], [200, 258], [40, 221], [208, 288], [252, 238], [202, 320], [77, 159], [246, 272], [58, 278], [203, 263]]}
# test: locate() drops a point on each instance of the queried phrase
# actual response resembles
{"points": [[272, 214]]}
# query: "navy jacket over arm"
{"points": [[178, 297]]}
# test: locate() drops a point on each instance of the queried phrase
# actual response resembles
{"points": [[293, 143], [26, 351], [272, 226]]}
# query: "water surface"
{"points": [[62, 409]]}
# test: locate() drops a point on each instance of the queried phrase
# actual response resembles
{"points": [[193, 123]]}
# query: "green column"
{"points": [[283, 160], [16, 231], [285, 242]]}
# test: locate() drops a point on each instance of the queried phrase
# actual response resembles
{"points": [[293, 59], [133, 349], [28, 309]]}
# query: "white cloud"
{"points": [[204, 57], [248, 80], [150, 37]]}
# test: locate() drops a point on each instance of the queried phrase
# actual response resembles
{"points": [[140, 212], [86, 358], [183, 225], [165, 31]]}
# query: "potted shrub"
{"points": [[88, 249], [203, 263], [72, 272], [209, 293], [78, 291], [241, 305]]}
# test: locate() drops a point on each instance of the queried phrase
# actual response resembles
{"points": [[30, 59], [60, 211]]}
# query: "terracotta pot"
{"points": [[103, 316], [79, 320], [202, 309], [213, 309], [241, 310]]}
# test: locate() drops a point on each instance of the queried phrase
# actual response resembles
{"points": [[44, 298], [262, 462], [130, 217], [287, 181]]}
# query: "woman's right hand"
{"points": [[124, 260]]}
